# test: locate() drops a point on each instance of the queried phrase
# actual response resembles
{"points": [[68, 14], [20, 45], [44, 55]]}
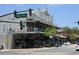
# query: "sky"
{"points": [[63, 14]]}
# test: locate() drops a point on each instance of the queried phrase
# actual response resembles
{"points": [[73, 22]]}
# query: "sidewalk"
{"points": [[27, 49], [35, 49]]}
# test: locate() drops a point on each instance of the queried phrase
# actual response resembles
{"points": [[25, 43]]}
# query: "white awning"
{"points": [[61, 36]]}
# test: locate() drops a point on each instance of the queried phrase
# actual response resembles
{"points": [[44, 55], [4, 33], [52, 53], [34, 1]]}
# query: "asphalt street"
{"points": [[64, 50]]}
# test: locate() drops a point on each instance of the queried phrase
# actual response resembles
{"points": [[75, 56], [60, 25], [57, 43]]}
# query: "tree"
{"points": [[72, 33], [50, 31], [73, 37], [67, 29], [75, 30]]}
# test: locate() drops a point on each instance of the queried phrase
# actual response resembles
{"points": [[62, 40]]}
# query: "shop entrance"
{"points": [[26, 41]]}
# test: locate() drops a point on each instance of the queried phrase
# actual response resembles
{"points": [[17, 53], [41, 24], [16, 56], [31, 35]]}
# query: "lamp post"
{"points": [[39, 41]]}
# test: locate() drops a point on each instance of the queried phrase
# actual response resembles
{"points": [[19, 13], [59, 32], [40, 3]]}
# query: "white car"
{"points": [[77, 47], [66, 43]]}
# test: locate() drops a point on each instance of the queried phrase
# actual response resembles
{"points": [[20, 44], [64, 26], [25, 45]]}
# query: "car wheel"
{"points": [[77, 49]]}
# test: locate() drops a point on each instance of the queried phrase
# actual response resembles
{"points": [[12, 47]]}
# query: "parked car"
{"points": [[77, 46], [66, 43]]}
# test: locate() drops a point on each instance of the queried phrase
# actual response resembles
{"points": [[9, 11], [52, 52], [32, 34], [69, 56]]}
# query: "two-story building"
{"points": [[22, 29]]}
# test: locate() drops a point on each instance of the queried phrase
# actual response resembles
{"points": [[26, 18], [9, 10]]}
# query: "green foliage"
{"points": [[50, 31], [73, 32], [73, 37], [67, 29]]}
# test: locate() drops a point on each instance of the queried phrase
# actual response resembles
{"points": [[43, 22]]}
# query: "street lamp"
{"points": [[77, 22], [38, 25]]}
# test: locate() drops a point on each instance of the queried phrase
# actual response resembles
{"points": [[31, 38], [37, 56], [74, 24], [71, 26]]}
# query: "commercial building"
{"points": [[22, 29]]}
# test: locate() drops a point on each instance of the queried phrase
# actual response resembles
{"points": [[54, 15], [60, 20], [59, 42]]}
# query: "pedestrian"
{"points": [[1, 47]]}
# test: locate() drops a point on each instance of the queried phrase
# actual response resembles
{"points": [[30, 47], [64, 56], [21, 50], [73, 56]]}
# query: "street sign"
{"points": [[20, 15], [24, 15]]}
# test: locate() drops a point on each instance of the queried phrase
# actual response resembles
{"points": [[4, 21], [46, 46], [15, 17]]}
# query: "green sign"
{"points": [[24, 15]]}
